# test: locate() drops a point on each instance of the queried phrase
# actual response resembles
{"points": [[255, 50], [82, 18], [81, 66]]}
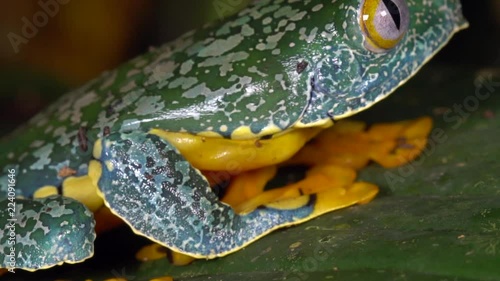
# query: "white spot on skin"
{"points": [[42, 122], [127, 88], [203, 90], [184, 82], [149, 105], [42, 154], [220, 46], [80, 103], [272, 42], [223, 128], [253, 107], [37, 143], [186, 67], [317, 7], [308, 38], [254, 69], [130, 125], [290, 27], [160, 73], [284, 11], [140, 63], [133, 72], [109, 81], [226, 61], [246, 30], [63, 137], [49, 129], [298, 16], [279, 78], [281, 24]]}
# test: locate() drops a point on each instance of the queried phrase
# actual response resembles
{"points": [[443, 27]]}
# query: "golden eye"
{"points": [[384, 23]]}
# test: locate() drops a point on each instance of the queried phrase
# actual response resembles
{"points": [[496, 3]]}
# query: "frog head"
{"points": [[382, 44]]}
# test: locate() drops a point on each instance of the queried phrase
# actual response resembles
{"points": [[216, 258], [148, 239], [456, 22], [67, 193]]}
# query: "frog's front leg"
{"points": [[149, 184], [41, 233]]}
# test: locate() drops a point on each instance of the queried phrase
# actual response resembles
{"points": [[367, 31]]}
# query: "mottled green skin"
{"points": [[240, 73], [48, 231], [164, 205]]}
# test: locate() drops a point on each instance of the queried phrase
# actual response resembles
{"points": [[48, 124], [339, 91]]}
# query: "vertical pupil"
{"points": [[394, 11]]}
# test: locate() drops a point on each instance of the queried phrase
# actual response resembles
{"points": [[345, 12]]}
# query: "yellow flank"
{"points": [[335, 155], [334, 199], [347, 144], [209, 134], [289, 204], [248, 185], [95, 171], [157, 251], [84, 188], [151, 252], [109, 165], [97, 151], [244, 132], [180, 259], [218, 154], [45, 191], [402, 141], [318, 179], [105, 220]]}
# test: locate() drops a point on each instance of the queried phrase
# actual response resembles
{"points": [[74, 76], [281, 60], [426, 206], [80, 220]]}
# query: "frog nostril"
{"points": [[301, 66]]}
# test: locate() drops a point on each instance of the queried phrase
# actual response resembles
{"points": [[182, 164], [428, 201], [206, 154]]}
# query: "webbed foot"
{"points": [[41, 233]]}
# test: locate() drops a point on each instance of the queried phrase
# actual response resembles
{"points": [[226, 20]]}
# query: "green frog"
{"points": [[240, 95]]}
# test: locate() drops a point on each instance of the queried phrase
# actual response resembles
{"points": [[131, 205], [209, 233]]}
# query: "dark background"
{"points": [[84, 38]]}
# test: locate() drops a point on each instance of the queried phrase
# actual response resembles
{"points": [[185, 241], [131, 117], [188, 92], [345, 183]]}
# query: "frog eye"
{"points": [[384, 23]]}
